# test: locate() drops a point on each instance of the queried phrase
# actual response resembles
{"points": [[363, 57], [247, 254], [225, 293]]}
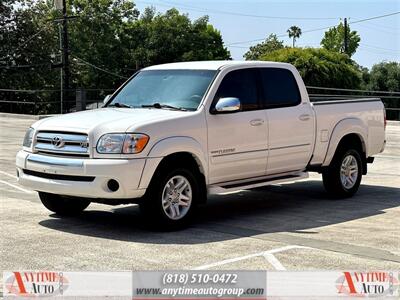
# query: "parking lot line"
{"points": [[16, 187], [8, 174], [268, 255], [274, 261]]}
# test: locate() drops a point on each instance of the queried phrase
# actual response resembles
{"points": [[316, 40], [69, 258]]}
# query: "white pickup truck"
{"points": [[173, 133]]}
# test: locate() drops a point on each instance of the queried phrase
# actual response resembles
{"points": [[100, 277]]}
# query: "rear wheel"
{"points": [[343, 177], [171, 198], [63, 205]]}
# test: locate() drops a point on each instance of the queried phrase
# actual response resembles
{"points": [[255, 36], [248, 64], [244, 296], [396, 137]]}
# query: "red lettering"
{"points": [[350, 283], [20, 283]]}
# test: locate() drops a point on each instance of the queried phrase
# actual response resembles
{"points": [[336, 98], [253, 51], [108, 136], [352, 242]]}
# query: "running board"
{"points": [[236, 185]]}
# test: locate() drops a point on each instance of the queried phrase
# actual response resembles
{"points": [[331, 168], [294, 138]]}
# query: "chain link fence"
{"points": [[39, 102]]}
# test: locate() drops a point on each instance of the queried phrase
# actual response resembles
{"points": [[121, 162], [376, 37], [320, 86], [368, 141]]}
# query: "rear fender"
{"points": [[341, 129]]}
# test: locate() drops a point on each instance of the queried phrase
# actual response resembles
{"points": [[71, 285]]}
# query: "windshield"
{"points": [[165, 89]]}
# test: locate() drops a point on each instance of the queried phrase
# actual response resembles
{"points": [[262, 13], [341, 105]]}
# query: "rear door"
{"points": [[290, 121], [237, 142]]}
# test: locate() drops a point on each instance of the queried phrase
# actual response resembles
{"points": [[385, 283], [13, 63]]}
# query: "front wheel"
{"points": [[63, 205], [171, 198], [343, 177]]}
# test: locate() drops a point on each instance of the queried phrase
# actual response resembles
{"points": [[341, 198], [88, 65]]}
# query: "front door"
{"points": [[237, 142]]}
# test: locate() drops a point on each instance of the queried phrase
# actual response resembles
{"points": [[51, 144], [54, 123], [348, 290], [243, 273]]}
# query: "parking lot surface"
{"points": [[288, 226]]}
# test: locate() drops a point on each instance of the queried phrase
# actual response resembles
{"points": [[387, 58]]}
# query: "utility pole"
{"points": [[65, 53], [346, 38]]}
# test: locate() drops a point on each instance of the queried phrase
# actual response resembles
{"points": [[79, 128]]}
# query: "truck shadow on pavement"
{"points": [[299, 207]]}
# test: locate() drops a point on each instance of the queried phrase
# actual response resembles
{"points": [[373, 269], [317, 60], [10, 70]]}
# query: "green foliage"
{"points": [[294, 33], [26, 39], [334, 40], [270, 44], [172, 37], [320, 67], [384, 76], [106, 33]]}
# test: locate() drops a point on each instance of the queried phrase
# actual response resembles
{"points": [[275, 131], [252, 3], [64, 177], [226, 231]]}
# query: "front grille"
{"points": [[59, 176], [62, 143]]}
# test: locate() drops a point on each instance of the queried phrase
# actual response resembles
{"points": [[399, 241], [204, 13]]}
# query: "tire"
{"points": [[343, 177], [63, 205], [171, 198]]}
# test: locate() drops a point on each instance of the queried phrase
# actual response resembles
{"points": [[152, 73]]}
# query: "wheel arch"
{"points": [[348, 132], [182, 150]]}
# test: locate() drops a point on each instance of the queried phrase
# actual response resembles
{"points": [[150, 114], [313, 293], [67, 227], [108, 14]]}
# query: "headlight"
{"points": [[28, 138], [121, 143]]}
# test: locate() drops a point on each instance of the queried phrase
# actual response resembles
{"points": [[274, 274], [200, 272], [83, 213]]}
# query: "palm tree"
{"points": [[294, 32]]}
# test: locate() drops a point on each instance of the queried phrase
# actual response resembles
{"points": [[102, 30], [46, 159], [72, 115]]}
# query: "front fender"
{"points": [[169, 146], [341, 129]]}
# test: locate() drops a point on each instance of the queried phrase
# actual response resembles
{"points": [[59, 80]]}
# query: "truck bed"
{"points": [[329, 113]]}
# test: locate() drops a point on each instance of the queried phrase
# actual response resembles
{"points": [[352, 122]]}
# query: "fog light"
{"points": [[113, 185]]}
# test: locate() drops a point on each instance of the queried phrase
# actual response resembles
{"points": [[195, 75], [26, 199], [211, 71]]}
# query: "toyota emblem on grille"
{"points": [[58, 142]]}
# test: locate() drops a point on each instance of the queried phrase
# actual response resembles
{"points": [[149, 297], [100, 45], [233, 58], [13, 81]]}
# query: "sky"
{"points": [[380, 38]]}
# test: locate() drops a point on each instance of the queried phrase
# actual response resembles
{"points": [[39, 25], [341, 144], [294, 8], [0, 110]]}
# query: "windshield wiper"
{"points": [[159, 105], [118, 104]]}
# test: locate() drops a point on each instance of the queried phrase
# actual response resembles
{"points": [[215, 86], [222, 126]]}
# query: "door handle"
{"points": [[304, 117], [256, 122]]}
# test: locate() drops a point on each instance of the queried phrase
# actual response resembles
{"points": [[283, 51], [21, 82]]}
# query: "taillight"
{"points": [[384, 117]]}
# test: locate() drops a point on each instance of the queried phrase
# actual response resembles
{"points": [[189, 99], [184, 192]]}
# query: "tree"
{"points": [[334, 40], [270, 44], [320, 67], [385, 76], [108, 41], [294, 33], [171, 37]]}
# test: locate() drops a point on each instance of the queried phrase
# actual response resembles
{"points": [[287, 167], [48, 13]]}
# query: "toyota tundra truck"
{"points": [[174, 133]]}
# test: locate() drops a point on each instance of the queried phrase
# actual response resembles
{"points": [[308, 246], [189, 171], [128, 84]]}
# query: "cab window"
{"points": [[280, 88], [241, 84]]}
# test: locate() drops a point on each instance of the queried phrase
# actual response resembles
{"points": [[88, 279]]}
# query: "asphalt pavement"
{"points": [[294, 226]]}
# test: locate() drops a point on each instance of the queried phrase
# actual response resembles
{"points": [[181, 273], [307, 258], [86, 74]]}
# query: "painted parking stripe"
{"points": [[8, 174], [268, 255], [274, 261], [17, 187]]}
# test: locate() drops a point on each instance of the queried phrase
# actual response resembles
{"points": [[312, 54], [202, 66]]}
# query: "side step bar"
{"points": [[233, 186]]}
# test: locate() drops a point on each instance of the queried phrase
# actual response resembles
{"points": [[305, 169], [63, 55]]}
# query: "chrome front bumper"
{"points": [[80, 177]]}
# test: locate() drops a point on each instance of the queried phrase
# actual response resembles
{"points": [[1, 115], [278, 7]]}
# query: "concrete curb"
{"points": [[25, 117]]}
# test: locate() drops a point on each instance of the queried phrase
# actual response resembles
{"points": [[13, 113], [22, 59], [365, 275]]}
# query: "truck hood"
{"points": [[105, 119]]}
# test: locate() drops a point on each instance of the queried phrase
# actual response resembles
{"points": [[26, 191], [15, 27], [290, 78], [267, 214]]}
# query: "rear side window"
{"points": [[280, 88], [241, 84]]}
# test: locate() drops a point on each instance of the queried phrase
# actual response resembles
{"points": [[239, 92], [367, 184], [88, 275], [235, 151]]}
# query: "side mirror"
{"points": [[227, 105], [106, 99]]}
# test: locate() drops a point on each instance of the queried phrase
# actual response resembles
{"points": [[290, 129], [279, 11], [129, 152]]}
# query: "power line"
{"points": [[281, 35], [368, 26], [376, 17], [318, 29], [98, 68], [380, 48], [27, 41], [215, 11], [376, 51]]}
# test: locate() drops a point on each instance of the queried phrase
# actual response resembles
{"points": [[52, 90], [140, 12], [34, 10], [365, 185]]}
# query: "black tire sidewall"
{"points": [[338, 186], [152, 202], [63, 205]]}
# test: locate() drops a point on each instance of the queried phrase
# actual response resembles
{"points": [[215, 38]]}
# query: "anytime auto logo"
{"points": [[368, 284], [35, 284]]}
